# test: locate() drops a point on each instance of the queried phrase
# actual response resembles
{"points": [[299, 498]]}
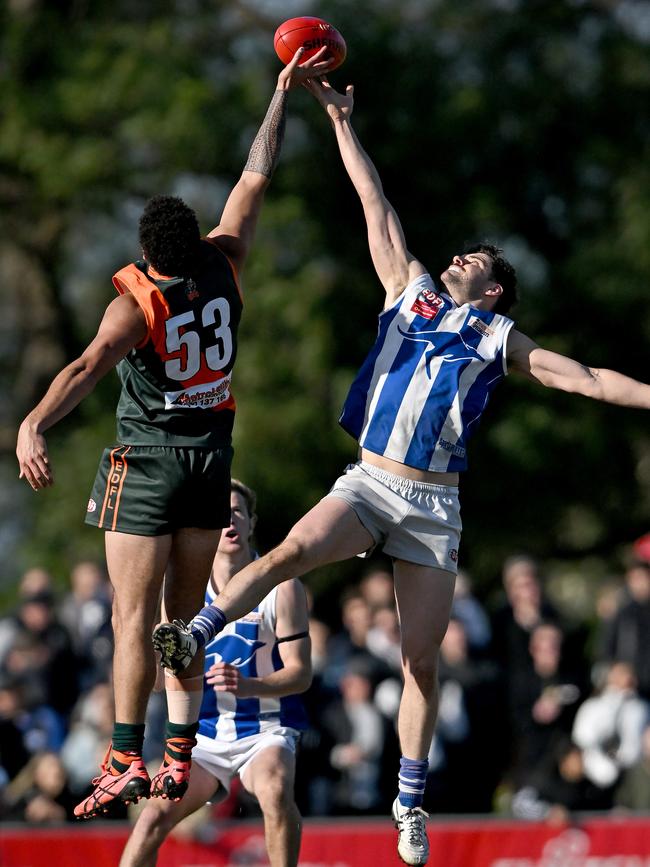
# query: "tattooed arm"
{"points": [[235, 232], [265, 150]]}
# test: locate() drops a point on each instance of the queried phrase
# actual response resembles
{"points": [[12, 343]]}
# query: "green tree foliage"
{"points": [[525, 123]]}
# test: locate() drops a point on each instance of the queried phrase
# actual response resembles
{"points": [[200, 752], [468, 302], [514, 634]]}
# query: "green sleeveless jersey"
{"points": [[176, 383]]}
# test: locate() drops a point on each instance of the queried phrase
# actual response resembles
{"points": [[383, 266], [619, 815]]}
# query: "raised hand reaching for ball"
{"points": [[337, 105], [298, 71]]}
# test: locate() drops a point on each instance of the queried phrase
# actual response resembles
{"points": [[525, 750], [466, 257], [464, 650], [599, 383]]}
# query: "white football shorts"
{"points": [[414, 521], [226, 759]]}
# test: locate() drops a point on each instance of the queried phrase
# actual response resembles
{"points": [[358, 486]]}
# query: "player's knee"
{"points": [[156, 823], [119, 620], [423, 669], [128, 618], [275, 795], [125, 621]]}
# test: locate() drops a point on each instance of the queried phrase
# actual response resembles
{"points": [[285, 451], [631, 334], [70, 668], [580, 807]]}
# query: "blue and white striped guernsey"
{"points": [[250, 644], [422, 389]]}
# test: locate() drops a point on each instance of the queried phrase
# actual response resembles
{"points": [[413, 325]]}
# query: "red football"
{"points": [[310, 34]]}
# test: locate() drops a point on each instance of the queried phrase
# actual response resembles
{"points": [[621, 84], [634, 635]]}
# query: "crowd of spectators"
{"points": [[538, 717]]}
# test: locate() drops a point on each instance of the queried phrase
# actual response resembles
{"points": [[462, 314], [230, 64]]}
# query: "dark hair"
{"points": [[502, 272], [248, 495], [169, 235]]}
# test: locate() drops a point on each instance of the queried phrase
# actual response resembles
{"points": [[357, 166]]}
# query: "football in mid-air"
{"points": [[311, 34]]}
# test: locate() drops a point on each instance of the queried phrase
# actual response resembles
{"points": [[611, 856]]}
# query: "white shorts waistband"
{"points": [[392, 480]]}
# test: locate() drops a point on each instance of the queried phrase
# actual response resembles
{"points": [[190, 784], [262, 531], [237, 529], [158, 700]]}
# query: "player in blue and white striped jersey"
{"points": [[418, 398], [251, 714]]}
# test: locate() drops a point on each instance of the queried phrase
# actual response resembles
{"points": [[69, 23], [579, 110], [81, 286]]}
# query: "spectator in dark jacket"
{"points": [[626, 636]]}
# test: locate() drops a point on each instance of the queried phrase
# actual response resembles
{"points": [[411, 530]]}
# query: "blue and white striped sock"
{"points": [[412, 780], [207, 623]]}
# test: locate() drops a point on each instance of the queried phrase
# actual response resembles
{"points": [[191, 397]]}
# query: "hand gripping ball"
{"points": [[311, 34]]}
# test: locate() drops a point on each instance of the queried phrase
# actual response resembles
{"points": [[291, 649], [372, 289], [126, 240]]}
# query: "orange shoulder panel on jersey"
{"points": [[235, 275], [147, 294]]}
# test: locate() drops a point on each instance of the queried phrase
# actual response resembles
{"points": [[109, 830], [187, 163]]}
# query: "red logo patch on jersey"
{"points": [[427, 304]]}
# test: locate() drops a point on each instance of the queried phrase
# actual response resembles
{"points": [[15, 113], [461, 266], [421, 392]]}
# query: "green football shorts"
{"points": [[154, 490]]}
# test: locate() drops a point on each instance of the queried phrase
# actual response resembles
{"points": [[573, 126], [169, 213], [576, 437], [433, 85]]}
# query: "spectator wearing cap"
{"points": [[641, 548]]}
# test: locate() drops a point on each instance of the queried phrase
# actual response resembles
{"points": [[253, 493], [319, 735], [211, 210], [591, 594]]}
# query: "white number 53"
{"points": [[217, 355]]}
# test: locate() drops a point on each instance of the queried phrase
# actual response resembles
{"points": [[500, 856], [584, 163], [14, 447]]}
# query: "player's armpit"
{"points": [[392, 260]]}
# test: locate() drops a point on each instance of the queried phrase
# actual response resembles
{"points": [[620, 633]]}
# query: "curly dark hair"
{"points": [[169, 235], [503, 273]]}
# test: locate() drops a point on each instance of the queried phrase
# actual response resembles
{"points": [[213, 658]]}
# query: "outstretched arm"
{"points": [[122, 328], [395, 266], [558, 371], [234, 234]]}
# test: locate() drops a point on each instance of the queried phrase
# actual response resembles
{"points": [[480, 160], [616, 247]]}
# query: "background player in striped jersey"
{"points": [[416, 401], [251, 716], [162, 493]]}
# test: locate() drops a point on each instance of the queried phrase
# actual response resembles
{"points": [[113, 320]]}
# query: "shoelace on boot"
{"points": [[413, 823]]}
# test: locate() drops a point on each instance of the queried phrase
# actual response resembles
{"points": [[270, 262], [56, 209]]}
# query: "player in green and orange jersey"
{"points": [[162, 493]]}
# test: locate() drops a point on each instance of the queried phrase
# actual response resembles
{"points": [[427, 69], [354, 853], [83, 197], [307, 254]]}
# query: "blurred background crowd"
{"points": [[540, 715], [530, 123]]}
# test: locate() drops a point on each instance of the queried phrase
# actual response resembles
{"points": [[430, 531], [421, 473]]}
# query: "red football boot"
{"points": [[173, 778], [128, 787]]}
